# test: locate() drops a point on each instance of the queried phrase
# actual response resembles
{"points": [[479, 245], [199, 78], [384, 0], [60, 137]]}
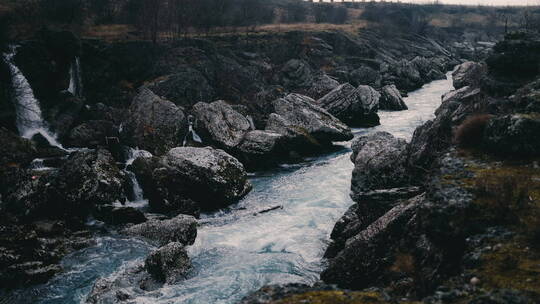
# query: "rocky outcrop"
{"points": [[169, 264], [513, 135], [181, 229], [185, 88], [468, 74], [322, 85], [190, 178], [220, 125], [391, 99], [154, 124], [379, 163], [296, 74], [356, 107], [301, 121]]}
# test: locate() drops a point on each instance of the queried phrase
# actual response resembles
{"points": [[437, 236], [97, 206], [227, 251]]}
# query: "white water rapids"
{"points": [[238, 250]]}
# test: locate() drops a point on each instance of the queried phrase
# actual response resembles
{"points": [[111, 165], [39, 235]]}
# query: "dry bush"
{"points": [[470, 133]]}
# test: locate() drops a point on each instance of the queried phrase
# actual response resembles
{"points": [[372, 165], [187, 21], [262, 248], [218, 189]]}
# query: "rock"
{"points": [[169, 264], [261, 149], [91, 134], [436, 75], [299, 115], [356, 271], [204, 177], [468, 74], [119, 215], [87, 179], [391, 99], [295, 74], [154, 124], [354, 106], [181, 229], [365, 76], [322, 85], [407, 75], [185, 88], [513, 135], [123, 286], [15, 150], [379, 161], [219, 124]]}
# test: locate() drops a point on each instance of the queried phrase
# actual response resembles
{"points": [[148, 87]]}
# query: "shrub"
{"points": [[470, 133]]}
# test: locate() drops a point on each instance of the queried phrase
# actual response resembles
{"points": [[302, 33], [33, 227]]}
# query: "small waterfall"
{"points": [[29, 117], [251, 123], [75, 81], [138, 200], [191, 134]]}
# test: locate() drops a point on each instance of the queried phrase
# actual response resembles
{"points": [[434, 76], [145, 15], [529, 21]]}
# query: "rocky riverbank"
{"points": [[452, 216], [208, 110]]}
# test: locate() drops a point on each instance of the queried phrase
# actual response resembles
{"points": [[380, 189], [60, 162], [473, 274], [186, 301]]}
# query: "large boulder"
{"points": [[365, 75], [169, 264], [261, 149], [154, 124], [87, 178], [514, 135], [379, 163], [15, 150], [367, 257], [181, 229], [391, 99], [322, 85], [297, 116], [468, 74], [355, 106], [187, 176], [220, 125]]}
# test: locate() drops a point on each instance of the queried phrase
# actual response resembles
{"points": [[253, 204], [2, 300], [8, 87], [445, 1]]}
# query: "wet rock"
{"points": [[354, 106], [154, 124], [513, 135], [169, 264], [297, 116], [91, 134], [181, 229], [219, 124], [391, 99], [379, 161], [261, 149], [87, 178], [119, 215], [468, 74], [122, 287], [187, 176]]}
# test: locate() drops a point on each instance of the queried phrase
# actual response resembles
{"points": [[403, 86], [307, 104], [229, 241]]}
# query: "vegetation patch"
{"points": [[334, 297]]}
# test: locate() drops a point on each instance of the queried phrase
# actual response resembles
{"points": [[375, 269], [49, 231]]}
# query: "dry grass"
{"points": [[110, 32], [470, 133]]}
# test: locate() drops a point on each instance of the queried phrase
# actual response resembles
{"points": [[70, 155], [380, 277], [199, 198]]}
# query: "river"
{"points": [[239, 250]]}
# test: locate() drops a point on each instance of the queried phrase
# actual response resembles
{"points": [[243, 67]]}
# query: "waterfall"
{"points": [[138, 200], [191, 134], [251, 123], [75, 79], [29, 118]]}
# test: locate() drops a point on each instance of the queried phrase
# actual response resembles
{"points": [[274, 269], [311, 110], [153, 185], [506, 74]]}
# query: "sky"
{"points": [[476, 2]]}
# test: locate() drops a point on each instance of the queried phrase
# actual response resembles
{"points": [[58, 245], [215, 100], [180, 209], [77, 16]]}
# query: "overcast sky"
{"points": [[475, 2]]}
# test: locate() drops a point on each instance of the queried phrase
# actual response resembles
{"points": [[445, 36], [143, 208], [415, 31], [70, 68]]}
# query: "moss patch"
{"points": [[514, 265], [334, 297]]}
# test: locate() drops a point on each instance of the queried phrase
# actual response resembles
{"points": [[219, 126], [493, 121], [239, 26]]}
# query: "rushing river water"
{"points": [[238, 250]]}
